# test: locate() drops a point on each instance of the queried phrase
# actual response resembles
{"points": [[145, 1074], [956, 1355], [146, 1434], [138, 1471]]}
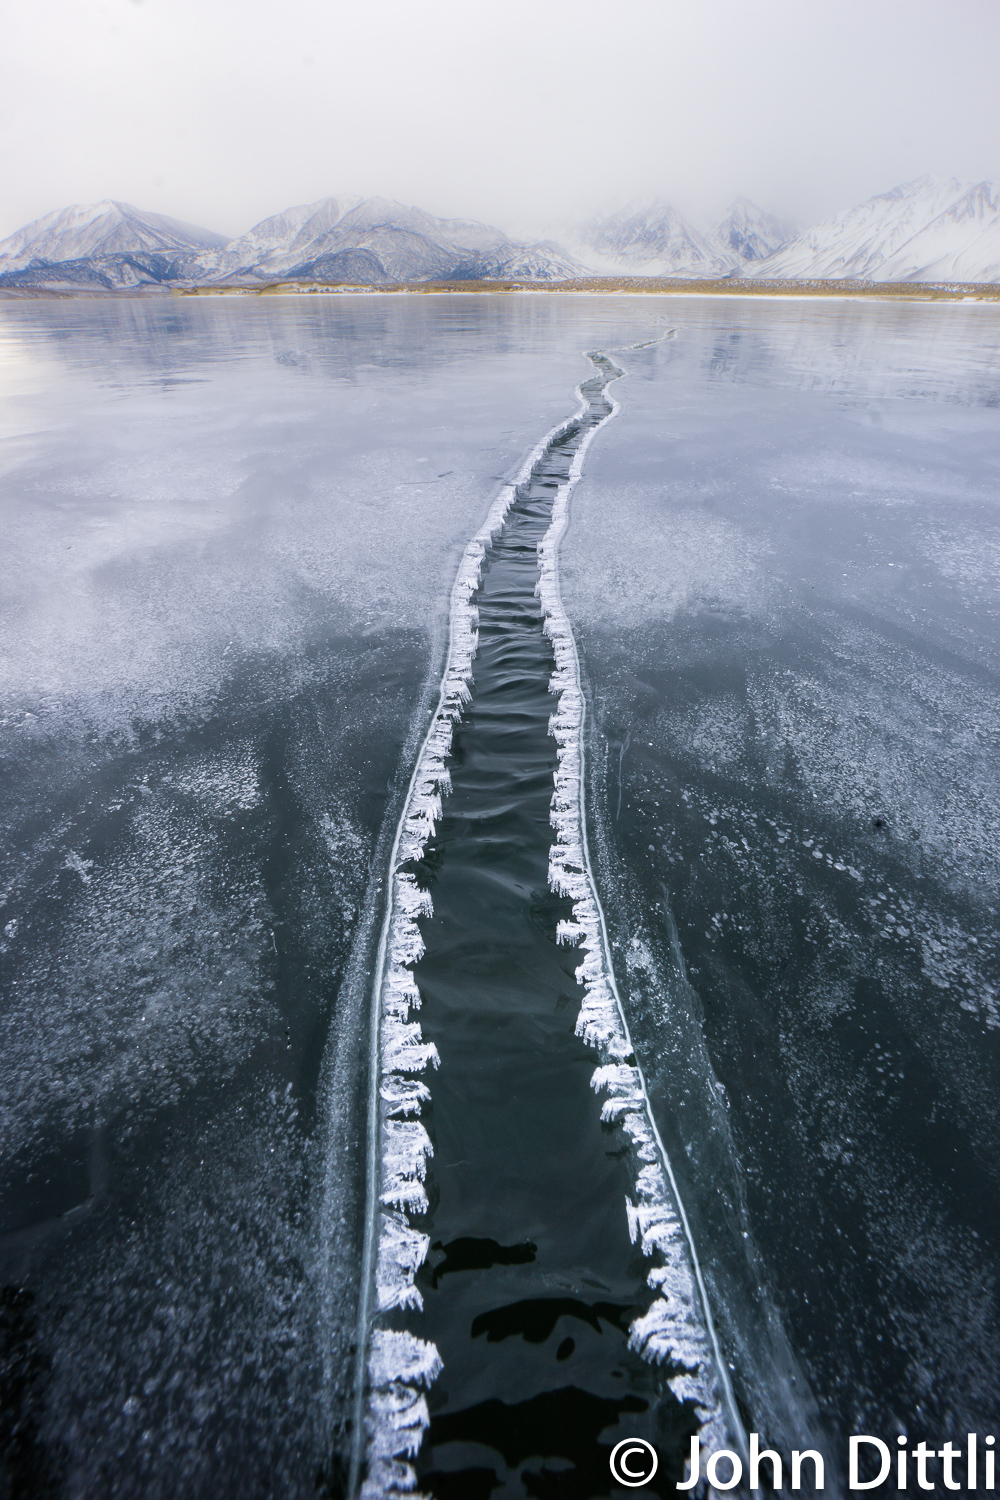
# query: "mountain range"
{"points": [[927, 230], [923, 231], [360, 241]]}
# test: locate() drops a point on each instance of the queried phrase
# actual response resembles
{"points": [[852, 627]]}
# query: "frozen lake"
{"points": [[783, 573], [231, 530]]}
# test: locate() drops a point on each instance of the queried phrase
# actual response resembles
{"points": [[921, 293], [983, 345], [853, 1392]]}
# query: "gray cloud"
{"points": [[223, 111]]}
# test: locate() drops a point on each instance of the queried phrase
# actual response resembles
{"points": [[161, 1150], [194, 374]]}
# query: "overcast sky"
{"points": [[521, 113]]}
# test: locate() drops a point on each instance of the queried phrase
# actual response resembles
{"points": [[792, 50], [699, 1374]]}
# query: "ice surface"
{"points": [[230, 534], [229, 481], [681, 1330], [779, 572]]}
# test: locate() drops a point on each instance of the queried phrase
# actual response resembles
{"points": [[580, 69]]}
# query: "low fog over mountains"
{"points": [[923, 231], [652, 239]]}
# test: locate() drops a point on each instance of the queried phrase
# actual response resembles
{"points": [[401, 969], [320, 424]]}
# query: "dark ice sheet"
{"points": [[783, 569], [230, 531]]}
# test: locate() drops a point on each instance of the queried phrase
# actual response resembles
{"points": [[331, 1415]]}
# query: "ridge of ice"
{"points": [[400, 1368], [402, 1251], [396, 1133], [677, 1326]]}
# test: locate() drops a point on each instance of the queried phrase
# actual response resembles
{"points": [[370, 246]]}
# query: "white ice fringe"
{"points": [[399, 1366], [396, 1414], [402, 1251], [678, 1325]]}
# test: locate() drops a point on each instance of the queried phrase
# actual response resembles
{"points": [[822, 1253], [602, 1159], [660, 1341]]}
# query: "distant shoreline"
{"points": [[669, 286], [895, 291]]}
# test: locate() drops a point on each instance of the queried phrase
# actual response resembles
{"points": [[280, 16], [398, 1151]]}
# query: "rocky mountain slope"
{"points": [[923, 231], [366, 241], [95, 273], [85, 230], [374, 240], [649, 239], [748, 233]]}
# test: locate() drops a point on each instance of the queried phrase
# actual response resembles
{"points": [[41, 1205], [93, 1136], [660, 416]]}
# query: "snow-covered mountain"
{"points": [[544, 261], [366, 241], [95, 273], [923, 231], [651, 239], [748, 232], [268, 244], [101, 229], [926, 230], [374, 240]]}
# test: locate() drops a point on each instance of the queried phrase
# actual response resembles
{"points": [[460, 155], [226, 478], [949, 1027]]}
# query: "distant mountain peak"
{"points": [[108, 227], [649, 237], [929, 229], [749, 232]]}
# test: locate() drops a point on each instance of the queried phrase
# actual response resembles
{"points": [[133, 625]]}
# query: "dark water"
{"points": [[531, 1283]]}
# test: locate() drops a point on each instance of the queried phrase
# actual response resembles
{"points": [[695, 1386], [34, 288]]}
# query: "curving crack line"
{"points": [[395, 1368]]}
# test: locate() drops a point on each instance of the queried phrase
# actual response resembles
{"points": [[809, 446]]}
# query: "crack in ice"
{"points": [[396, 1367]]}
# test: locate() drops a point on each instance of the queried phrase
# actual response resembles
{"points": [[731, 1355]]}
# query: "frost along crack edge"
{"points": [[678, 1325], [394, 1368]]}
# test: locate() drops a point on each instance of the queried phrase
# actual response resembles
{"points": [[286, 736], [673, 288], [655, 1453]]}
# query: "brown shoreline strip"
{"points": [[900, 291]]}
